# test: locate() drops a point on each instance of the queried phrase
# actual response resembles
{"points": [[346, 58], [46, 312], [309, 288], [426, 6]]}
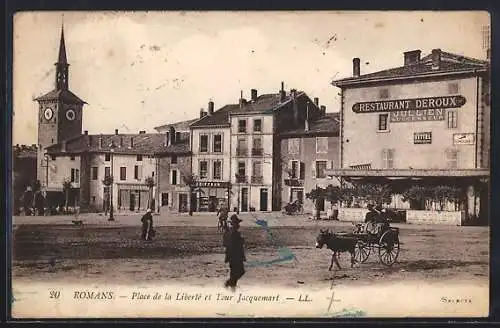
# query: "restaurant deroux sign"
{"points": [[416, 109]]}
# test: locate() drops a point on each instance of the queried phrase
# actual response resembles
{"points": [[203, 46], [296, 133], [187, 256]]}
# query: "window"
{"points": [[177, 136], [320, 169], [294, 146], [136, 172], [257, 125], [297, 170], [382, 122], [241, 149], [174, 177], [53, 157], [322, 144], [93, 199], [203, 143], [257, 147], [164, 199], [218, 143], [139, 158], [77, 175], [242, 171], [107, 157], [242, 126], [452, 119], [452, 158], [453, 88], [217, 170], [107, 171], [174, 159], [257, 169], [72, 158], [203, 169], [72, 175], [388, 158], [384, 93], [94, 173], [123, 173]]}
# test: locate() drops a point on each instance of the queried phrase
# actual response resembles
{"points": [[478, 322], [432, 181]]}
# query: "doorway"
{"points": [[132, 201], [244, 199], [183, 203], [263, 200]]}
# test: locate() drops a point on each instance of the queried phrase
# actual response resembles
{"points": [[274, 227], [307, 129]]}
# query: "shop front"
{"points": [[134, 197], [209, 196]]}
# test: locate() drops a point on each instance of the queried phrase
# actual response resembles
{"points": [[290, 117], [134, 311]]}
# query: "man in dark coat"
{"points": [[372, 214], [235, 254], [147, 225]]}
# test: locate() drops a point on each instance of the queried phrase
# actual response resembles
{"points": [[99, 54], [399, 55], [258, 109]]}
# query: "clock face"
{"points": [[48, 113], [70, 114]]}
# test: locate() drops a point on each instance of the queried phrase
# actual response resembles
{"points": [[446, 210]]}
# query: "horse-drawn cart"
{"points": [[385, 242]]}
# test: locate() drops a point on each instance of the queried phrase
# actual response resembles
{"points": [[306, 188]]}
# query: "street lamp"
{"points": [[111, 217]]}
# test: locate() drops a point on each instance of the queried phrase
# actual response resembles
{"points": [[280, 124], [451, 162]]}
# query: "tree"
{"points": [[190, 181], [66, 189], [317, 195], [377, 194], [443, 194], [150, 183]]}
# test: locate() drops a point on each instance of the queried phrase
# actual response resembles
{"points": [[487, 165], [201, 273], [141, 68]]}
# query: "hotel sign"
{"points": [[212, 184], [420, 138]]}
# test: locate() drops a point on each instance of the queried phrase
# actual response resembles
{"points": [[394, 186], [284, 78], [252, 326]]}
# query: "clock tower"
{"points": [[59, 112]]}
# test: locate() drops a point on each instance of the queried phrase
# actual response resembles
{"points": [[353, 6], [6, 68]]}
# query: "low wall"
{"points": [[435, 217], [352, 214]]}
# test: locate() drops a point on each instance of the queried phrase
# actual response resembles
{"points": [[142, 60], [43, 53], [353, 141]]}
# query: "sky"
{"points": [[139, 70]]}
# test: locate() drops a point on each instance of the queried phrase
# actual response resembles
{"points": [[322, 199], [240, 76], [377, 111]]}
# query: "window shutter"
{"points": [[314, 170], [302, 170]]}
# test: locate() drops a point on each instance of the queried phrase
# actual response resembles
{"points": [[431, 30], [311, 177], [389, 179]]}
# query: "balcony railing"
{"points": [[257, 151], [257, 179], [241, 179], [241, 151], [294, 182]]}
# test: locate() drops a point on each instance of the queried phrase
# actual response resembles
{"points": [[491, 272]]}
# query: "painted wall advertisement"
{"points": [[412, 110], [463, 139]]}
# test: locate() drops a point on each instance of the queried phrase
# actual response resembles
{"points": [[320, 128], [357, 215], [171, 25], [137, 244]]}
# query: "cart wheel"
{"points": [[362, 251], [388, 250]]}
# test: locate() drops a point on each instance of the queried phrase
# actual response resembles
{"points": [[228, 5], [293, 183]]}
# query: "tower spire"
{"points": [[62, 71], [62, 47]]}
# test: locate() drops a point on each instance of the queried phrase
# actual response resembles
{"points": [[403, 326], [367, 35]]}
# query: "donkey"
{"points": [[337, 245]]}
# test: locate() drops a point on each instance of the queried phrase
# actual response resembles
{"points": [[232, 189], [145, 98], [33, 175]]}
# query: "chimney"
{"points": [[86, 132], [131, 142], [412, 57], [142, 132], [172, 135], [210, 107], [202, 113], [323, 110], [316, 101], [306, 122], [436, 59], [293, 93], [242, 100], [116, 131], [356, 71], [100, 141], [282, 92], [254, 94]]}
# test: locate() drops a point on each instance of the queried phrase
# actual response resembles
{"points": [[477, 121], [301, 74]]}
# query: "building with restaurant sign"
{"points": [[426, 122]]}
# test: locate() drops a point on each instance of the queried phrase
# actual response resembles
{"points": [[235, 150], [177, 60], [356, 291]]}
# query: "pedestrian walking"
{"points": [[222, 215], [235, 253], [147, 226]]}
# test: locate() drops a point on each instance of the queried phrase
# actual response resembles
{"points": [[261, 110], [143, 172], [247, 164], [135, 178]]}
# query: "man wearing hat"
{"points": [[147, 225], [372, 213], [235, 254]]}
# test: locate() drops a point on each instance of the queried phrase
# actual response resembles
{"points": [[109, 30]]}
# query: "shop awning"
{"points": [[408, 173]]}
